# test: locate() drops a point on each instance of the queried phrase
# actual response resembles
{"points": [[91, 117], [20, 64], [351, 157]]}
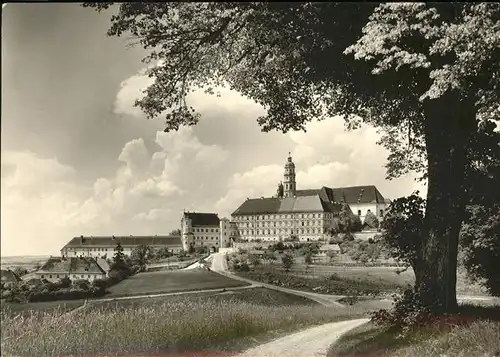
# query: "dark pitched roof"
{"points": [[125, 241], [324, 199], [349, 195], [72, 265], [286, 205], [202, 219], [9, 275], [300, 193]]}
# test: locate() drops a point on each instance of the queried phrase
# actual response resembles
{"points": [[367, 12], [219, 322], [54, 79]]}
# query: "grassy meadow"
{"points": [[475, 334], [172, 281], [223, 323]]}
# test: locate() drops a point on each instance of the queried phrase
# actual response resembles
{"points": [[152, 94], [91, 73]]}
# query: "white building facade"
{"points": [[305, 215], [104, 246]]}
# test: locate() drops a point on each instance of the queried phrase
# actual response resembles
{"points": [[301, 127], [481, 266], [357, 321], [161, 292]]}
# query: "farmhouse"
{"points": [[104, 246], [74, 268], [306, 214]]}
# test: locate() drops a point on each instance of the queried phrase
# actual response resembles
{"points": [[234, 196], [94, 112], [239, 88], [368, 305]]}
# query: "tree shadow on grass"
{"points": [[367, 341], [480, 312]]}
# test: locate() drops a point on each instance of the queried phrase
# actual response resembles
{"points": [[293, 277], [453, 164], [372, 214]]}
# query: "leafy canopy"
{"points": [[379, 62]]}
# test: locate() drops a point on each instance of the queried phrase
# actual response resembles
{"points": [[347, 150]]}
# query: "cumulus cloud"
{"points": [[326, 155], [43, 207]]}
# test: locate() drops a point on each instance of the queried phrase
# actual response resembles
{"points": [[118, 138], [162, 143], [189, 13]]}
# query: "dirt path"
{"points": [[312, 342]]}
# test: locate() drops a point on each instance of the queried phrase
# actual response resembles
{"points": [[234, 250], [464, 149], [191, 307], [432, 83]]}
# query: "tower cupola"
{"points": [[289, 184]]}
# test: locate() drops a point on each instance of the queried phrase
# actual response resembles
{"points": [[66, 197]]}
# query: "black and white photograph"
{"points": [[250, 179]]}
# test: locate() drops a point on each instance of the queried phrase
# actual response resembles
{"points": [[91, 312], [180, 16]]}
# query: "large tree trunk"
{"points": [[449, 122]]}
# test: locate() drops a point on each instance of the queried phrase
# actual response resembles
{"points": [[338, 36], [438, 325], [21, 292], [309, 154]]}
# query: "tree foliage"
{"points": [[371, 220], [163, 253], [425, 74], [403, 228], [120, 262], [142, 255], [480, 241], [287, 261], [345, 222]]}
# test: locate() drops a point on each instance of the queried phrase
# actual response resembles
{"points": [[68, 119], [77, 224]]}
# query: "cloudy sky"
{"points": [[78, 158]]}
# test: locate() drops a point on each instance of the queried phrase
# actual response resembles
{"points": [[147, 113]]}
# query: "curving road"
{"points": [[311, 342]]}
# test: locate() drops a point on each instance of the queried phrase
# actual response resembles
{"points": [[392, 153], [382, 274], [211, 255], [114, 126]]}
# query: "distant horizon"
{"points": [[26, 256]]}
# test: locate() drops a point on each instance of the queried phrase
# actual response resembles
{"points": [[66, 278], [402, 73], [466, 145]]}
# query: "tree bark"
{"points": [[449, 122]]}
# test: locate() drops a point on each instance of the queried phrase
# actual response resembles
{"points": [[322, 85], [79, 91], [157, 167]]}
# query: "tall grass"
{"points": [[172, 326], [475, 332]]}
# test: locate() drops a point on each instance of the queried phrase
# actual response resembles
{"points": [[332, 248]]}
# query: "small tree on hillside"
{"points": [[356, 225], [182, 254], [254, 260], [176, 232], [163, 253], [287, 261], [119, 262], [141, 255], [269, 256], [308, 258], [371, 221]]}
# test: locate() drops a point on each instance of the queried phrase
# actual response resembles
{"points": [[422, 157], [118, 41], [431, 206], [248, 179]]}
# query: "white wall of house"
{"points": [[307, 226], [108, 251], [206, 236], [361, 209], [55, 277]]}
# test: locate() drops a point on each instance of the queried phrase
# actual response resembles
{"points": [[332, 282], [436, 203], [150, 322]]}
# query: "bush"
{"points": [[480, 243], [244, 267], [371, 221], [115, 276], [81, 284], [64, 283], [407, 314], [287, 261], [325, 285], [100, 283]]}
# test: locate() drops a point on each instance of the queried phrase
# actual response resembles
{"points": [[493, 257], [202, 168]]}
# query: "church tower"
{"points": [[289, 178]]}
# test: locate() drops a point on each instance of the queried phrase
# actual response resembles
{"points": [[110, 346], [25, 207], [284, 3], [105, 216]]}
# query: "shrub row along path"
{"points": [[219, 265], [313, 341]]}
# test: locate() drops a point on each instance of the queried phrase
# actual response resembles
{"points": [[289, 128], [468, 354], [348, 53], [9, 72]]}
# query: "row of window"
{"points": [[60, 276], [283, 231], [206, 230], [282, 216], [381, 212], [282, 224], [201, 238]]}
